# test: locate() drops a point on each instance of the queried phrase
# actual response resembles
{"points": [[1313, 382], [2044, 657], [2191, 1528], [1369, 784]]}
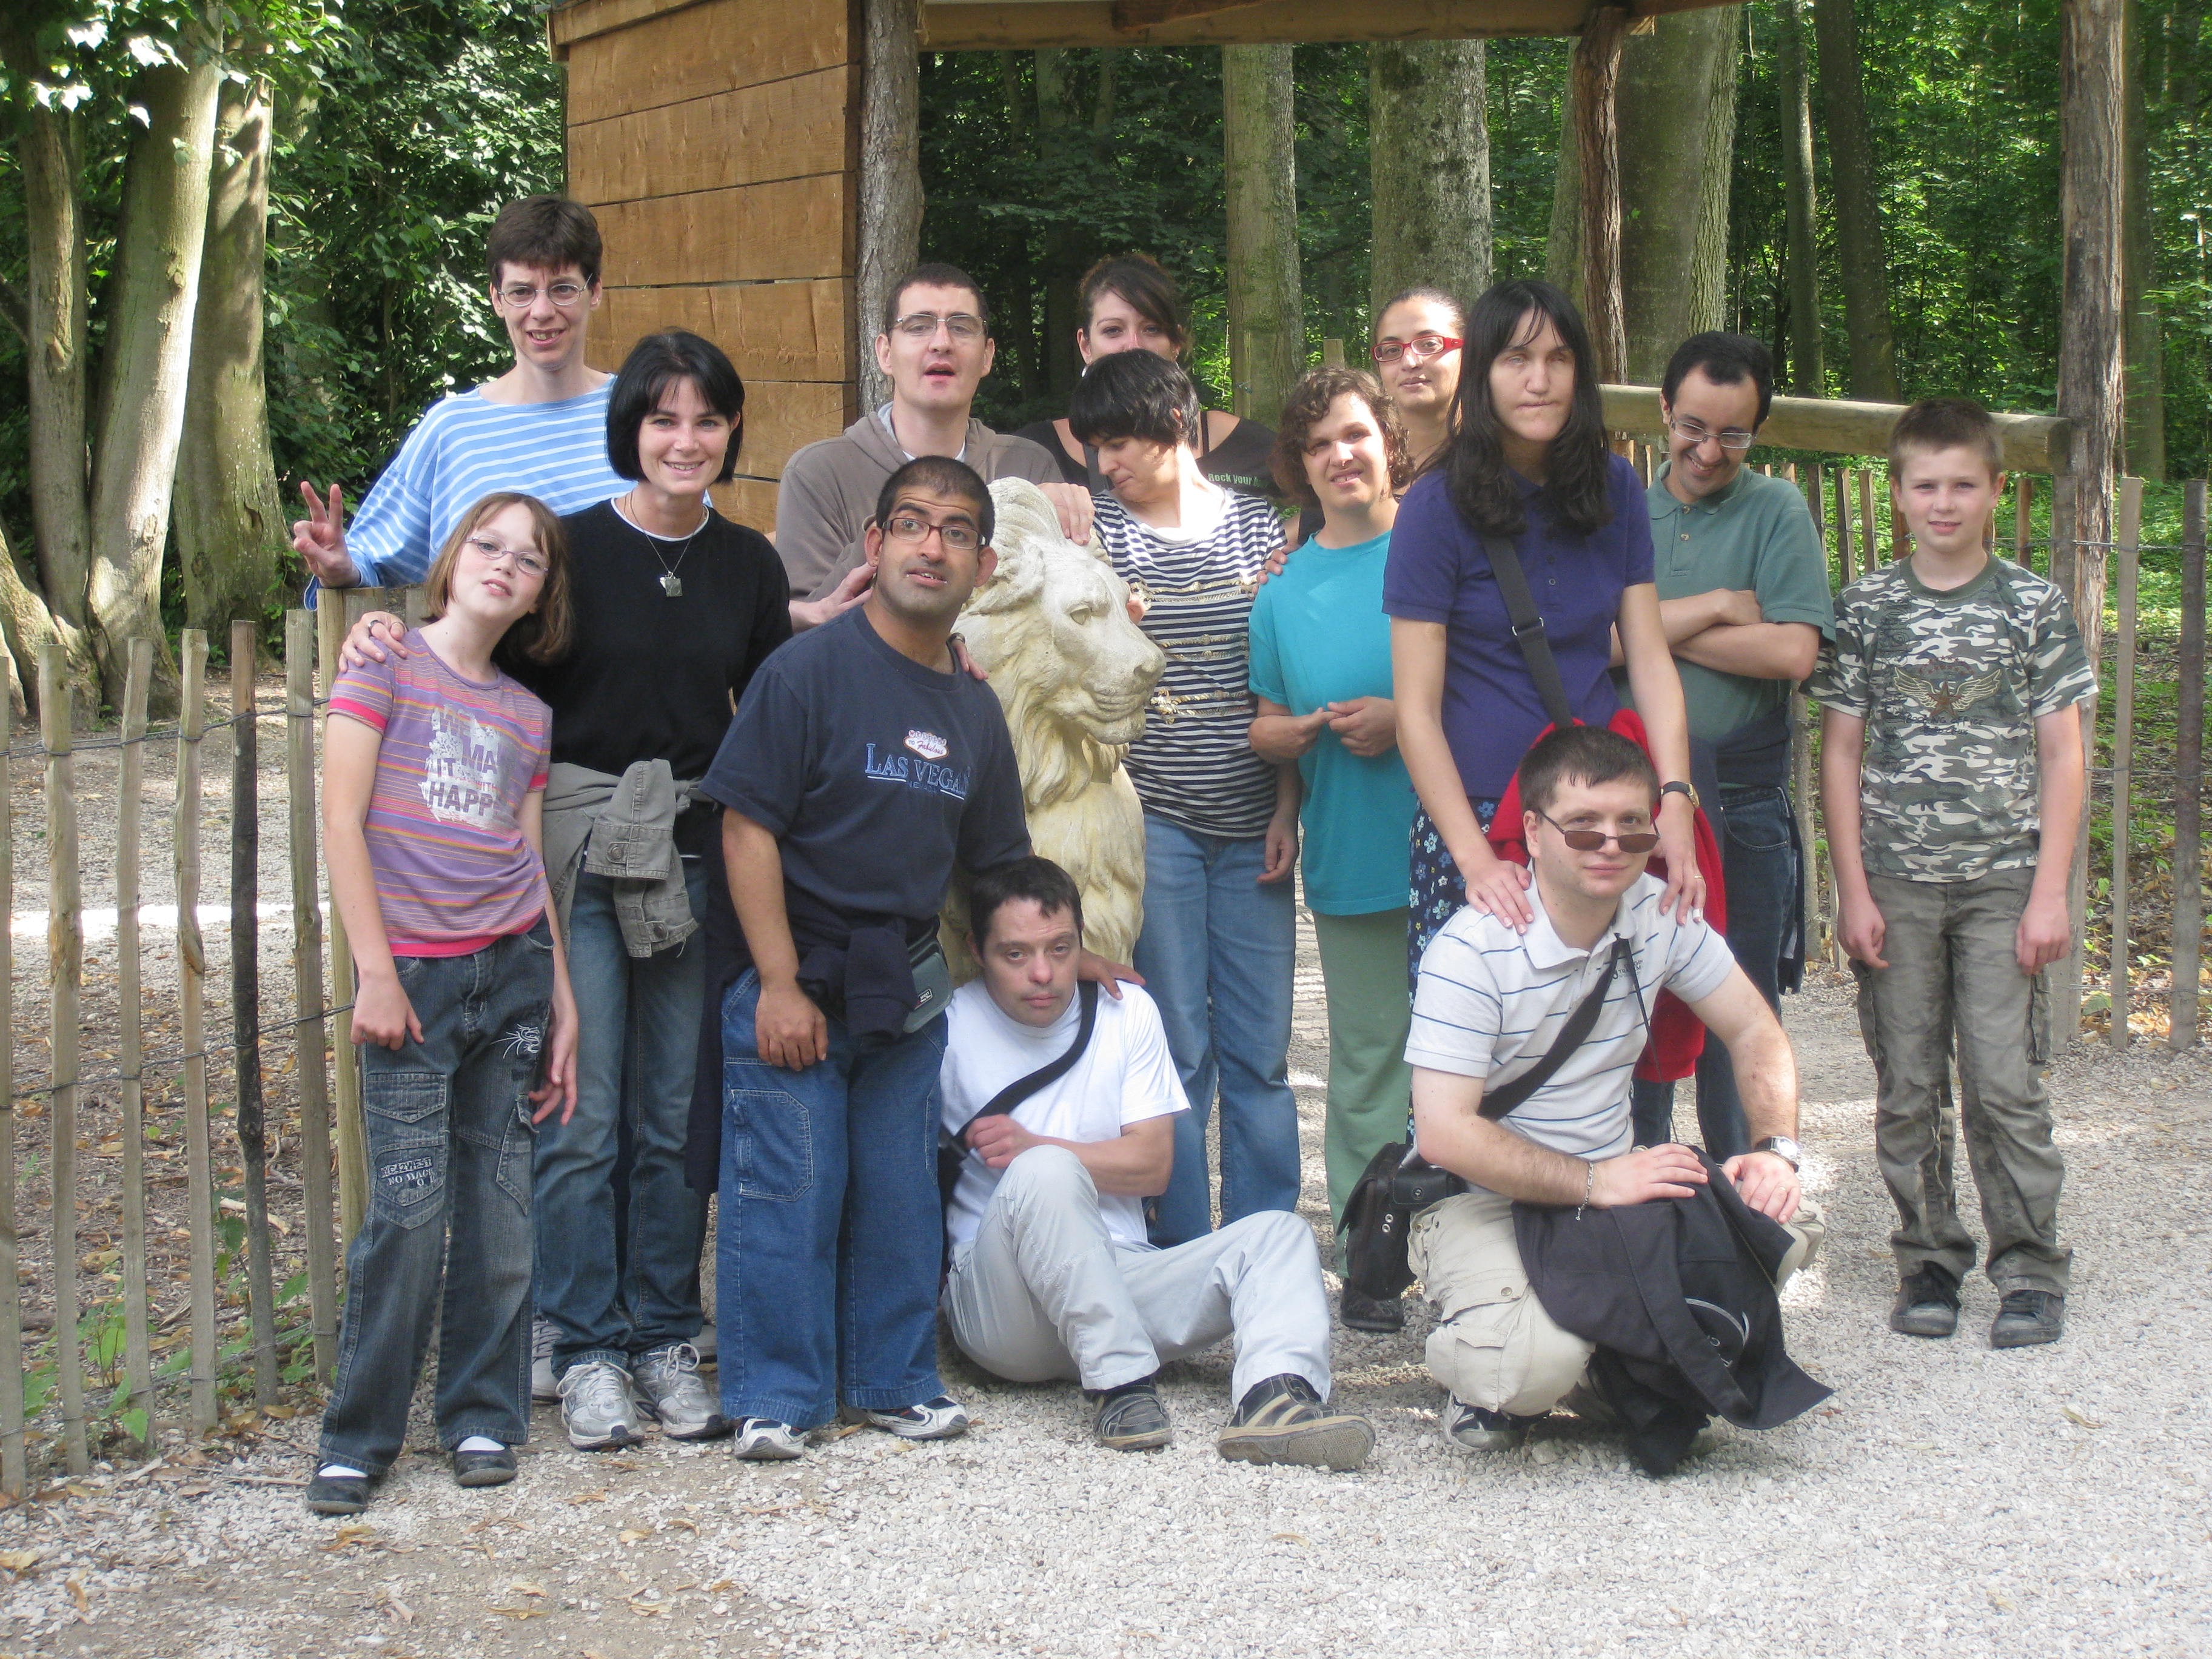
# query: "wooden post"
{"points": [[137, 1349], [1596, 77], [246, 1003], [353, 1152], [2066, 989], [65, 974], [890, 172], [14, 1464], [1869, 541], [2188, 778], [191, 982], [1845, 563], [311, 1032], [2023, 519], [2124, 745], [1332, 353]]}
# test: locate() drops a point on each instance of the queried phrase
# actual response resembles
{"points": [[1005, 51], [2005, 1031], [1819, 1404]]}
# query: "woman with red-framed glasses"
{"points": [[1417, 336]]}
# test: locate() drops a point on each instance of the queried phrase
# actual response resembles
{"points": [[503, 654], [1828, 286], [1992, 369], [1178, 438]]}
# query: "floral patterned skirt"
{"points": [[1438, 888]]}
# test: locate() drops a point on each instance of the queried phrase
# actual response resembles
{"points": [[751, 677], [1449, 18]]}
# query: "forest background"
{"points": [[357, 149]]}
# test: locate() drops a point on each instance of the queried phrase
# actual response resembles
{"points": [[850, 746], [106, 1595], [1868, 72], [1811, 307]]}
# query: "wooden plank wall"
{"points": [[718, 144]]}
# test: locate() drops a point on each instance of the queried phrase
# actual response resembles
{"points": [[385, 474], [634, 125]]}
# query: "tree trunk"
{"points": [[146, 360], [1802, 252], [27, 626], [1563, 244], [1861, 256], [1429, 154], [1676, 100], [1063, 256], [2091, 80], [890, 174], [1267, 320], [2146, 344], [229, 521], [1597, 151]]}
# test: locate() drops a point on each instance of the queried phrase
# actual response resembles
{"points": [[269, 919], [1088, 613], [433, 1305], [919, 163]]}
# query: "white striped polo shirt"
{"points": [[1491, 1002]]}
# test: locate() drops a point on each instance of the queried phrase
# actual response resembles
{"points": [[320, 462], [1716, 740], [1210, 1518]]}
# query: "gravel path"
{"points": [[1948, 1500]]}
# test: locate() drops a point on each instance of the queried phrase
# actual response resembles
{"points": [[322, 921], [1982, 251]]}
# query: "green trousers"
{"points": [[1363, 970]]}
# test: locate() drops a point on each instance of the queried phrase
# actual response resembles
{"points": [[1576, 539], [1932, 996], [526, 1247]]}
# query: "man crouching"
{"points": [[1052, 1276]]}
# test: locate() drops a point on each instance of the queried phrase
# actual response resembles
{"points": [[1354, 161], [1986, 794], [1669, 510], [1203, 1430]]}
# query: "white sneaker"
{"points": [[764, 1440], [671, 1393], [598, 1407], [709, 1349], [941, 1419], [544, 1387]]}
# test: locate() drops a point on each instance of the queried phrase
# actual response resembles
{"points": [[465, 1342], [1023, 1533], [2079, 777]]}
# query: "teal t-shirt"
{"points": [[1319, 635]]}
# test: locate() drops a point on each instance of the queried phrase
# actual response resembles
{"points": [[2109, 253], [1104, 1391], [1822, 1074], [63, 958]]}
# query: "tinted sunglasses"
{"points": [[1592, 841]]}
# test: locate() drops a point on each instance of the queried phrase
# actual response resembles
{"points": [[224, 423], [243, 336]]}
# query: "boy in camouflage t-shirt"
{"points": [[1952, 778]]}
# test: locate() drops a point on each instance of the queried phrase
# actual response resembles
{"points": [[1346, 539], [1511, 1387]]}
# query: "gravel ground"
{"points": [[1949, 1499]]}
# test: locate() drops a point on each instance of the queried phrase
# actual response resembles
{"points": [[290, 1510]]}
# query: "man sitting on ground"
{"points": [[1052, 1276], [1492, 1001]]}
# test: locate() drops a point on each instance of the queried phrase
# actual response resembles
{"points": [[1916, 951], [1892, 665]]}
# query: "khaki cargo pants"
{"points": [[1953, 980], [1493, 1345]]}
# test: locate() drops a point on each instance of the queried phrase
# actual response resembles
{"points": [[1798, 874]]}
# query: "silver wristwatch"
{"points": [[1783, 1148]]}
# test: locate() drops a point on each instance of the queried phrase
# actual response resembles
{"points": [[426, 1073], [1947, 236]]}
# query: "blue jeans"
{"points": [[1217, 953], [832, 1232], [1760, 865], [447, 1121], [638, 1026]]}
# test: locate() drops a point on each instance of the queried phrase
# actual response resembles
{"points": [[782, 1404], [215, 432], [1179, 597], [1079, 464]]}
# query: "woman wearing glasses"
{"points": [[1528, 464], [675, 608], [1417, 353], [1130, 303], [1220, 821]]}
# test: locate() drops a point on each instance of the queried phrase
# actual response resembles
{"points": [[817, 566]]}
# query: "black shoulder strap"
{"points": [[1529, 629], [1087, 996], [1496, 1102]]}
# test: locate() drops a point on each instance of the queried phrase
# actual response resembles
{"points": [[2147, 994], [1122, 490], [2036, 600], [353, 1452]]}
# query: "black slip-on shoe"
{"points": [[1927, 1303], [483, 1468], [2027, 1318], [1368, 1313], [1131, 1418], [338, 1494], [1283, 1420]]}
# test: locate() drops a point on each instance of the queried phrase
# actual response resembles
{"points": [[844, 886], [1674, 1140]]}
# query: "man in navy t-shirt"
{"points": [[861, 768]]}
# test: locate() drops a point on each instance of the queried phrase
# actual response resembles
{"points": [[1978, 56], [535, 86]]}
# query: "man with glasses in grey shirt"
{"points": [[936, 347]]}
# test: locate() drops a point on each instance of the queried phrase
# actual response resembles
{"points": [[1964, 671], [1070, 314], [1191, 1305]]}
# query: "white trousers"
{"points": [[1044, 1292]]}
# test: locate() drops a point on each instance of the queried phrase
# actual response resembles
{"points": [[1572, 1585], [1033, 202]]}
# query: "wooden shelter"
{"points": [[753, 163]]}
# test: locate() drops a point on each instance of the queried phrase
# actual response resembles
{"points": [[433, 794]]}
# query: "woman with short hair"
{"points": [[1220, 935], [1320, 670], [1130, 303]]}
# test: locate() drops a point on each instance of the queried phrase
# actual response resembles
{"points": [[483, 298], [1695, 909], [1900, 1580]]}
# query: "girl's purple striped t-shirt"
{"points": [[454, 870]]}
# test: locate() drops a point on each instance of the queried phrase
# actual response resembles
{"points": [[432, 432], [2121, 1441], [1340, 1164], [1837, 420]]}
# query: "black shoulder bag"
{"points": [[1399, 1184], [1529, 629], [952, 1148]]}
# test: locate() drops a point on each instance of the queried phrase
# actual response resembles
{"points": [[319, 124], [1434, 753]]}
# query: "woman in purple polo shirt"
{"points": [[1527, 463]]}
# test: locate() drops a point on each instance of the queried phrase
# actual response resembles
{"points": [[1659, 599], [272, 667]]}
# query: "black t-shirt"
{"points": [[649, 676], [875, 774], [1238, 462]]}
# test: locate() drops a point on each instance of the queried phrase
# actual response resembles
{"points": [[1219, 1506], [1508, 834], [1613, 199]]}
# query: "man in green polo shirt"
{"points": [[1743, 592]]}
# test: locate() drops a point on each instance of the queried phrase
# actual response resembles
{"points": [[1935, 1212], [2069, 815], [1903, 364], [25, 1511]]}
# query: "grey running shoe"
{"points": [[1474, 1429], [708, 1343], [2028, 1317], [671, 1393], [598, 1407], [1131, 1418], [941, 1419], [764, 1440], [544, 1387], [1927, 1303], [1284, 1420]]}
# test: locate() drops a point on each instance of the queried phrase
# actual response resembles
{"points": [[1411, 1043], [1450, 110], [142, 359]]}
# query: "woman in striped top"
{"points": [[1220, 823]]}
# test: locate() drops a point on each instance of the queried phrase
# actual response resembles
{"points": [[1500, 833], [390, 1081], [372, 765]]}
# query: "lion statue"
{"points": [[1052, 630]]}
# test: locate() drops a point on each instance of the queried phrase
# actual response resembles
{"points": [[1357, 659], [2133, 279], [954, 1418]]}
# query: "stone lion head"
{"points": [[1052, 630]]}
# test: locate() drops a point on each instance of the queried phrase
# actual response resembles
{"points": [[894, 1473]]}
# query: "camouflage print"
{"points": [[1950, 685]]}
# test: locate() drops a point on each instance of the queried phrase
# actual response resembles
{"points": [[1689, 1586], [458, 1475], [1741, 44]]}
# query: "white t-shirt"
{"points": [[1491, 1002], [1125, 1076]]}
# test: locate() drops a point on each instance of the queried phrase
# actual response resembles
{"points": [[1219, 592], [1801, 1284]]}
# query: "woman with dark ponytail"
{"points": [[1528, 466]]}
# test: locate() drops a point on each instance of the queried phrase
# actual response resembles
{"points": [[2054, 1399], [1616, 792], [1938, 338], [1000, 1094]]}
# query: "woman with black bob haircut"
{"points": [[675, 607], [1129, 302], [1528, 465], [1220, 823]]}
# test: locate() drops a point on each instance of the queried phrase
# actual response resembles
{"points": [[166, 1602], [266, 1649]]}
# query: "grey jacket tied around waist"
{"points": [[622, 828]]}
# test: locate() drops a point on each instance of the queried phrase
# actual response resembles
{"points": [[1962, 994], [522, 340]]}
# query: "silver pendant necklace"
{"points": [[670, 583]]}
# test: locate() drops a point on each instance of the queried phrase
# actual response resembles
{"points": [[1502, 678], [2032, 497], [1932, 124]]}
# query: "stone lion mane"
{"points": [[1073, 672]]}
